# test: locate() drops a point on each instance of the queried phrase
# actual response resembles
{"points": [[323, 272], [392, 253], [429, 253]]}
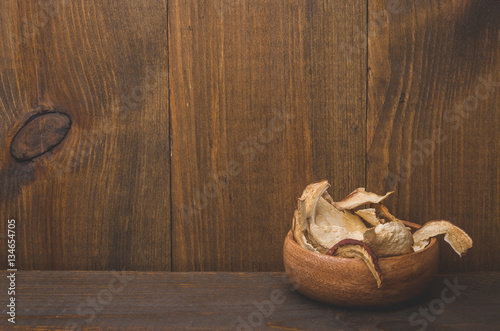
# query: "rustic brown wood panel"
{"points": [[99, 200], [84, 300], [433, 119], [264, 99]]}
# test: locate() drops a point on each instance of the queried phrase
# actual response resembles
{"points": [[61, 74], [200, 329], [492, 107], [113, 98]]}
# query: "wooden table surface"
{"points": [[57, 300]]}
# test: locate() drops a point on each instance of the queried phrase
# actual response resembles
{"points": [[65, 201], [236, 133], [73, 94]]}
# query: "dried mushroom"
{"points": [[383, 214], [311, 195], [358, 249], [369, 216], [453, 235], [336, 228], [360, 197], [300, 226], [329, 226], [389, 239]]}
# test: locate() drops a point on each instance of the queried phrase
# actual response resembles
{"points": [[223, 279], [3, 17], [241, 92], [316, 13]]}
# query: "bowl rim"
{"points": [[414, 226]]}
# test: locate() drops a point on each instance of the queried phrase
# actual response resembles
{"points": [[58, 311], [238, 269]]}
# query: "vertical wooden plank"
{"points": [[433, 119], [99, 200], [263, 101]]}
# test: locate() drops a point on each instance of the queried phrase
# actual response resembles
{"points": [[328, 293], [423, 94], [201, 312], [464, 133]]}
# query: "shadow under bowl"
{"points": [[349, 282]]}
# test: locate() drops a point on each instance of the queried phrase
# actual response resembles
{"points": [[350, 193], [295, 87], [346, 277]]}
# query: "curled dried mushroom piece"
{"points": [[323, 224], [331, 225], [311, 195], [357, 249], [360, 197], [365, 234], [453, 235], [300, 226], [382, 213]]}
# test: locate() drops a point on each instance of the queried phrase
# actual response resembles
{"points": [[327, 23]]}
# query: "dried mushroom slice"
{"points": [[300, 226], [325, 225], [311, 195], [382, 213], [453, 235], [328, 197], [301, 232], [359, 197], [329, 225], [310, 239], [389, 239], [357, 249], [369, 216], [317, 246]]}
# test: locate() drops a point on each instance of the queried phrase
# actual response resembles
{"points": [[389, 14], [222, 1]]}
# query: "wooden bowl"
{"points": [[348, 282]]}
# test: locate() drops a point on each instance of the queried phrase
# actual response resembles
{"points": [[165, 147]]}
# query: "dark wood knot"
{"points": [[40, 134]]}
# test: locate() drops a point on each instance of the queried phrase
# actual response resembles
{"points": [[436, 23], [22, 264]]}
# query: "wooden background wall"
{"points": [[196, 125]]}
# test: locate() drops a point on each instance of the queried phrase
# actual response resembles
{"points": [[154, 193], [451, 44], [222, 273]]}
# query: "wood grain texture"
{"points": [[262, 98], [99, 200], [225, 301], [265, 97], [433, 119]]}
